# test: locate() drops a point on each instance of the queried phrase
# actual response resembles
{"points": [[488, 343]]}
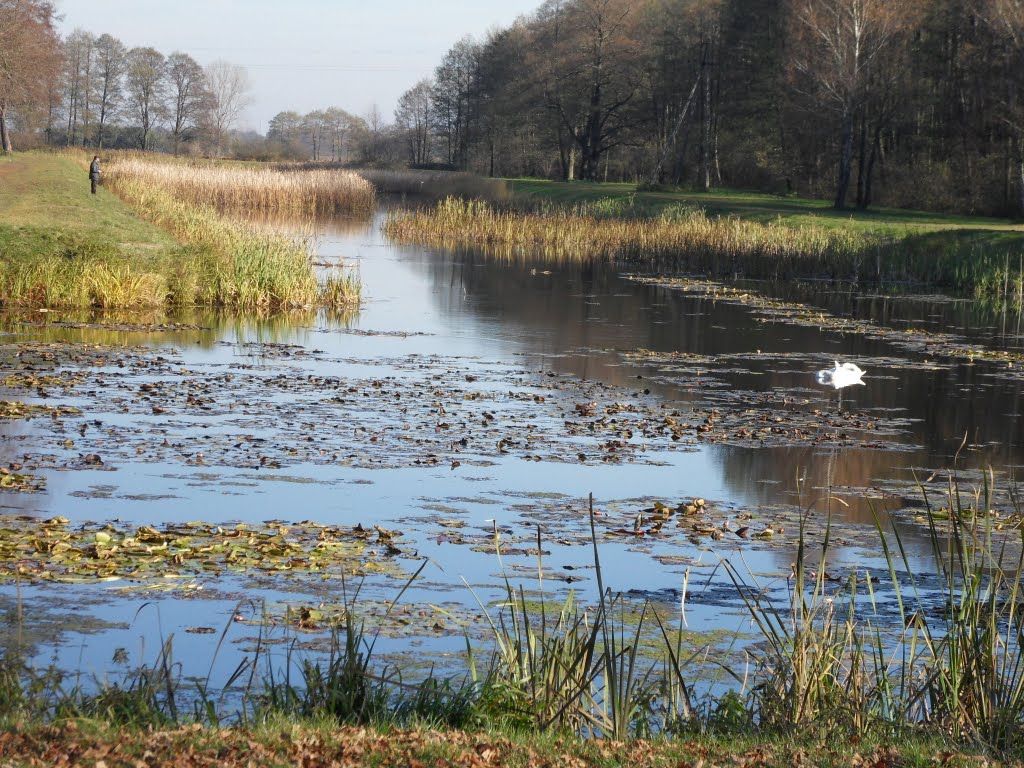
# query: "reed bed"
{"points": [[596, 231], [90, 280], [230, 263], [683, 238], [248, 188]]}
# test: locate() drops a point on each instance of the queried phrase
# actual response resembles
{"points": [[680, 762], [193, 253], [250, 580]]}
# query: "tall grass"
{"points": [[247, 188], [682, 237], [829, 662], [579, 670], [599, 230], [231, 263]]}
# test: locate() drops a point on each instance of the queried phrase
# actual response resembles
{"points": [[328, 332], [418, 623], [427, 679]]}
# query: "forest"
{"points": [[916, 104]]}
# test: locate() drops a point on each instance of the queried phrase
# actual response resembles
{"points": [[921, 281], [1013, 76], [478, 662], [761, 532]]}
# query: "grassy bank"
{"points": [[63, 247], [730, 234], [756, 206]]}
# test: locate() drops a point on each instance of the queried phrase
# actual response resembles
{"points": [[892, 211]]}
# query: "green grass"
{"points": [[61, 246], [764, 208], [728, 235], [46, 208]]}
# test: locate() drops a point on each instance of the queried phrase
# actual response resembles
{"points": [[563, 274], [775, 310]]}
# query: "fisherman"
{"points": [[94, 172]]}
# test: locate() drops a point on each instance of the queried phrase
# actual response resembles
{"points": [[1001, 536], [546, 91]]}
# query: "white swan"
{"points": [[844, 375]]}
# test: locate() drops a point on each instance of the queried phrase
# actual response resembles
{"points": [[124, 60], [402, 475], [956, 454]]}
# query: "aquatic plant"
{"points": [[830, 662], [231, 263], [584, 671], [682, 237], [828, 665], [246, 187]]}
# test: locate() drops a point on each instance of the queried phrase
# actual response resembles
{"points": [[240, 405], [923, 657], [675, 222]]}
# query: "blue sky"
{"points": [[303, 54]]}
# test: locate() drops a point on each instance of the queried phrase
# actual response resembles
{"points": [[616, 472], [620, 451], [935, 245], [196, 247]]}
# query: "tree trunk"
{"points": [[705, 143], [1020, 182], [862, 159], [876, 148], [845, 162], [5, 137]]}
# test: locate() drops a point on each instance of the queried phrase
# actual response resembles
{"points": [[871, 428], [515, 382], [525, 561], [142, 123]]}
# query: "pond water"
{"points": [[473, 403]]}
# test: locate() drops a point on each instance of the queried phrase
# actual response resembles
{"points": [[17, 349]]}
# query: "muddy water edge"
{"points": [[182, 475]]}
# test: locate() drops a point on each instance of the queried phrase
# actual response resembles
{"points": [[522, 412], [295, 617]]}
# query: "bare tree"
{"points": [[451, 96], [146, 84], [1006, 18], [588, 59], [412, 118], [338, 124], [228, 86], [188, 95], [314, 126], [107, 83], [836, 46], [29, 59], [78, 71]]}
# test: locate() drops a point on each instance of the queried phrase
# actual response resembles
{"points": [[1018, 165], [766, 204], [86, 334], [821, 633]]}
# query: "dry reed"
{"points": [[248, 188], [231, 263], [720, 245]]}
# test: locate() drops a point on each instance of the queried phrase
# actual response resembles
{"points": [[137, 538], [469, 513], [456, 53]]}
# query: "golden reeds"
{"points": [[248, 188], [586, 232]]}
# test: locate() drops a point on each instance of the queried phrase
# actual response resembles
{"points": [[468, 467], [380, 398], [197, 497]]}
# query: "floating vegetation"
{"points": [[13, 409], [12, 480], [53, 550], [938, 345]]}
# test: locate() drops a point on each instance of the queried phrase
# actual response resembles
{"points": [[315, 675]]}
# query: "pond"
{"points": [[467, 411]]}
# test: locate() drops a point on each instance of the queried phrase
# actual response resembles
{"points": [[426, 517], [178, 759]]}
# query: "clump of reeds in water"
{"points": [[598, 231], [231, 263], [832, 662], [248, 188]]}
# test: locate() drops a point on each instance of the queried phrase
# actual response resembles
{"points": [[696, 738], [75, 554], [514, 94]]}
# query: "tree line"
{"points": [[92, 91], [917, 103], [911, 103]]}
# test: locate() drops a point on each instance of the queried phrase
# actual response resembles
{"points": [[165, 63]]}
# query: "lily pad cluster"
{"points": [[14, 409], [11, 480], [54, 550]]}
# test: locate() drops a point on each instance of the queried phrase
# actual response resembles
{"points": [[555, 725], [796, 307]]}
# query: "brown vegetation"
{"points": [[247, 188]]}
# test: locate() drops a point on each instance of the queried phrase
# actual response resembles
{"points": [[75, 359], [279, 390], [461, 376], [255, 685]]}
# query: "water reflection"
{"points": [[465, 309]]}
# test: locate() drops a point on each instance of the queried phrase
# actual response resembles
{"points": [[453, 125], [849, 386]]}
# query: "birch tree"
{"points": [[229, 94], [835, 47]]}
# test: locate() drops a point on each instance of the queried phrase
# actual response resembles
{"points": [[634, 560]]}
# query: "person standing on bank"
{"points": [[94, 172]]}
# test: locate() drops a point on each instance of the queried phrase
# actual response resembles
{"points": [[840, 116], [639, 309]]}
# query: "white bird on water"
{"points": [[844, 375]]}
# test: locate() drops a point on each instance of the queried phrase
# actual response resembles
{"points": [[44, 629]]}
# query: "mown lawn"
{"points": [[768, 208], [46, 208]]}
